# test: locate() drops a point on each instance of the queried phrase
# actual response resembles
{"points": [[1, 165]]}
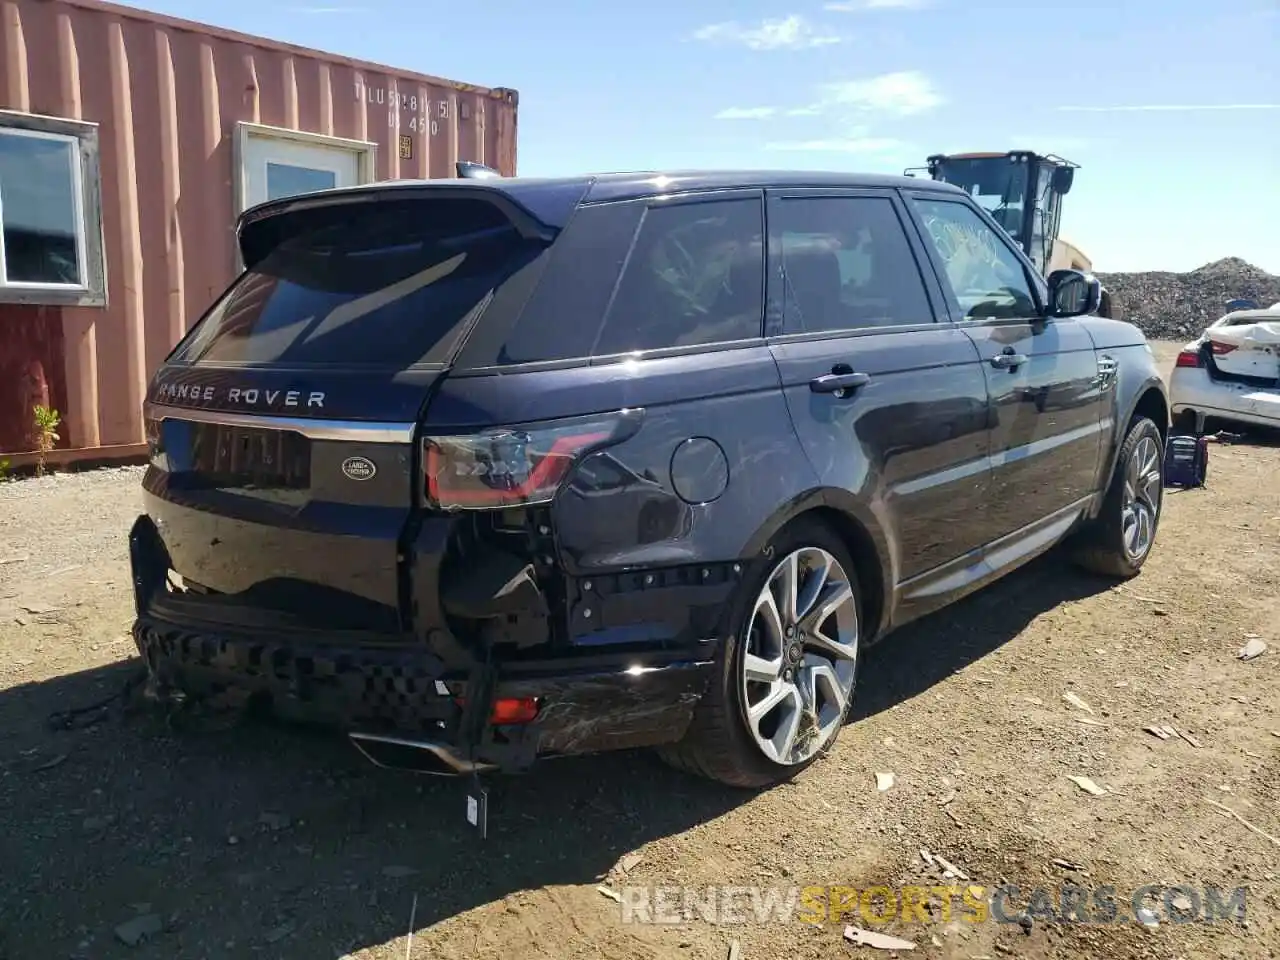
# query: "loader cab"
{"points": [[1022, 191]]}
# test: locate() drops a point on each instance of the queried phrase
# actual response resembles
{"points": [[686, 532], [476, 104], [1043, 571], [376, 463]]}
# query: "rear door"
{"points": [[1043, 378], [282, 427], [890, 406]]}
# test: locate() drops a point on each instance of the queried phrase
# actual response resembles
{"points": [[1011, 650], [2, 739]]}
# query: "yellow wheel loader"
{"points": [[1023, 191]]}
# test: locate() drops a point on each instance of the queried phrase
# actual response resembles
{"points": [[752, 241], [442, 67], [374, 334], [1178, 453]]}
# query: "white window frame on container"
{"points": [[81, 139], [364, 152]]}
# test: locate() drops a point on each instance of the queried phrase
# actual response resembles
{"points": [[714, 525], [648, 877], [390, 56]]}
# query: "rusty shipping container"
{"points": [[129, 142]]}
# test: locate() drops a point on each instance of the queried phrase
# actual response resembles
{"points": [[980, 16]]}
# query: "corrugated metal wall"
{"points": [[168, 95]]}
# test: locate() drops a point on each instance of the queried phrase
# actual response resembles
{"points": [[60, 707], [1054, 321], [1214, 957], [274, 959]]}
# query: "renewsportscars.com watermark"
{"points": [[871, 906]]}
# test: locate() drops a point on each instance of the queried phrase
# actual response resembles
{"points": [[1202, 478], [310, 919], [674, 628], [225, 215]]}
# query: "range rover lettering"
{"points": [[478, 471]]}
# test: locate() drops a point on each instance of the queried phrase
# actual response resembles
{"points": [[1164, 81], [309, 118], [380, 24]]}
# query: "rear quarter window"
{"points": [[695, 276], [639, 276]]}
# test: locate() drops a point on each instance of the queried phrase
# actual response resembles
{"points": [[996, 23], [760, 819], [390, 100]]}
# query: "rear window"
{"points": [[386, 285]]}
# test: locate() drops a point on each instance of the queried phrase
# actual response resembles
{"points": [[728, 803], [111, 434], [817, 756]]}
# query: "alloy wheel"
{"points": [[1143, 488], [801, 655]]}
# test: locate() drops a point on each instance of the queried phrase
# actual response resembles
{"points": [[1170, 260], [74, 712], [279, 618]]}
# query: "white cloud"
{"points": [[902, 93], [746, 113], [1171, 107], [846, 145], [788, 33], [853, 6]]}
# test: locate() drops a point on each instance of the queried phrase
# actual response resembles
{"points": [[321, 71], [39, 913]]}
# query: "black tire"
{"points": [[1100, 548], [718, 744]]}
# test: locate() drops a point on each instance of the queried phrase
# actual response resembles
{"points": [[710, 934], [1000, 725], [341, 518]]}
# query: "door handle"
{"points": [[841, 384], [1008, 361]]}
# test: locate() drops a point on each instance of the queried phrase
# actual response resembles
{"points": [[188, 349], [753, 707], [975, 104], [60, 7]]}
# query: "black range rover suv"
{"points": [[481, 470]]}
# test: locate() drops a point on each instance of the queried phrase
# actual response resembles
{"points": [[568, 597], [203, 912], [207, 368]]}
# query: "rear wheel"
{"points": [[1120, 539], [785, 678]]}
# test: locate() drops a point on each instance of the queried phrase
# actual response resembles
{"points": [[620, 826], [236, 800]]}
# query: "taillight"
{"points": [[1188, 358], [509, 710], [513, 466], [1220, 348]]}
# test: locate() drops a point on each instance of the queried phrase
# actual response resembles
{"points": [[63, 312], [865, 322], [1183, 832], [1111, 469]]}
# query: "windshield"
{"points": [[999, 187], [385, 285]]}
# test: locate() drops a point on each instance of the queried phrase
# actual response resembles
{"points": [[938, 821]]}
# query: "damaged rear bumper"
{"points": [[398, 696]]}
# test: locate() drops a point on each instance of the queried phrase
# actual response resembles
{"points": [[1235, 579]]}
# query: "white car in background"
{"points": [[1231, 372]]}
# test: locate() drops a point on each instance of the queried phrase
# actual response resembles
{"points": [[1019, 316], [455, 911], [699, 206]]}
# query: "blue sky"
{"points": [[1171, 108]]}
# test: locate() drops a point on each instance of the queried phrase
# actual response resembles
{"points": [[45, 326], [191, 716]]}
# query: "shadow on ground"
{"points": [[910, 661], [265, 841]]}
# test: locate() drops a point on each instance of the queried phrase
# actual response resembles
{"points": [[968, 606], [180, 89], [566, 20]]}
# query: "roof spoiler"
{"points": [[260, 229], [470, 170]]}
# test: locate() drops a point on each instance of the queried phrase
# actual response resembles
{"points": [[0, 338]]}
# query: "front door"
{"points": [[276, 167], [1042, 374], [889, 405]]}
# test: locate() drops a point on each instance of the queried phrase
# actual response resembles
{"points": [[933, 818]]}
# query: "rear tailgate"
{"points": [[282, 429]]}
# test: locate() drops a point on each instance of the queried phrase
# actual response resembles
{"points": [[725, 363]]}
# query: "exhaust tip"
{"points": [[415, 756]]}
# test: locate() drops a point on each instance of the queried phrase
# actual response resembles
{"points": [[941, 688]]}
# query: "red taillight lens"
{"points": [[510, 710], [514, 466], [1188, 358], [1220, 348], [514, 710]]}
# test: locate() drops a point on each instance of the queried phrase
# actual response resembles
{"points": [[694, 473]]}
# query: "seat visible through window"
{"points": [[695, 276], [848, 265]]}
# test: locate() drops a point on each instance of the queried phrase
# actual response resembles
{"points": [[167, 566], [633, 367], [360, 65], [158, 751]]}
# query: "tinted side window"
{"points": [[987, 279], [848, 264], [695, 276], [562, 317]]}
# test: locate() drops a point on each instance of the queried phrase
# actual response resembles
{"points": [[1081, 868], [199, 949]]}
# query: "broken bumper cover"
{"points": [[403, 689], [398, 686]]}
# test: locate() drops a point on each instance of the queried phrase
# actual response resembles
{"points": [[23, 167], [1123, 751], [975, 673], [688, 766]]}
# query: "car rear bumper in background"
{"points": [[1193, 389], [399, 688]]}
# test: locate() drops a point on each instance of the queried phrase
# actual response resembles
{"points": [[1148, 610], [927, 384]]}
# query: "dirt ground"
{"points": [[264, 842]]}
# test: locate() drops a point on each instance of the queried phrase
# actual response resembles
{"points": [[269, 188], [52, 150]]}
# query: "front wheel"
{"points": [[786, 676], [1119, 541]]}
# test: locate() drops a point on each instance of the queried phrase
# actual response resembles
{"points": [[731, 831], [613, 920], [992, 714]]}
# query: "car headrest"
{"points": [[813, 272]]}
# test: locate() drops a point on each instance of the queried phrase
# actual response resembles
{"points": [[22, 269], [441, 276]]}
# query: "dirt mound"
{"points": [[1177, 306]]}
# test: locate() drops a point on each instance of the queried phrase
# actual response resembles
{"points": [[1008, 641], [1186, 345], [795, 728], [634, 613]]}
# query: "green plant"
{"points": [[4, 471], [47, 421]]}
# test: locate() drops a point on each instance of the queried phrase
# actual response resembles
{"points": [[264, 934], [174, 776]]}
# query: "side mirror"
{"points": [[1073, 293], [1063, 177]]}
